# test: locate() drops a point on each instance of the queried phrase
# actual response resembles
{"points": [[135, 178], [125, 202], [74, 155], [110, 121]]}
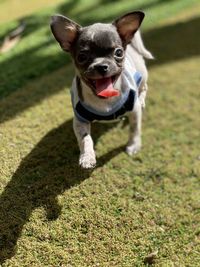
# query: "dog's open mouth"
{"points": [[104, 87]]}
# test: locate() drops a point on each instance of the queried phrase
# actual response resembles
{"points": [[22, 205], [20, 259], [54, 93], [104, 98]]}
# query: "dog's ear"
{"points": [[65, 31], [128, 24]]}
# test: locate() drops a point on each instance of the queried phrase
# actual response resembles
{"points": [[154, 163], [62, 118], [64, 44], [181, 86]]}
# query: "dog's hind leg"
{"points": [[135, 120], [142, 95], [82, 131]]}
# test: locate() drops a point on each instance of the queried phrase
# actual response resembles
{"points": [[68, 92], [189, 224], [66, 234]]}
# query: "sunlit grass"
{"points": [[54, 214]]}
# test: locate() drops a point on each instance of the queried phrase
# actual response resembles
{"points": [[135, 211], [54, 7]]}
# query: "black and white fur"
{"points": [[92, 48]]}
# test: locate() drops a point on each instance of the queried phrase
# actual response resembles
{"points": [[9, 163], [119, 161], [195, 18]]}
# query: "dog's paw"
{"points": [[133, 149], [87, 160]]}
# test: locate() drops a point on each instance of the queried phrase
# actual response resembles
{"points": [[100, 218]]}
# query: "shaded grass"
{"points": [[54, 214]]}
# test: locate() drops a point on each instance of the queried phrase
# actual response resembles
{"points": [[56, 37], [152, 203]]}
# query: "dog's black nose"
{"points": [[102, 69]]}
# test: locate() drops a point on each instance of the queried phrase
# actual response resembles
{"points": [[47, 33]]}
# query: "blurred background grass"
{"points": [[37, 53]]}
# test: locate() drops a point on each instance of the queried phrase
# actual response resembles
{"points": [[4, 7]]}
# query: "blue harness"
{"points": [[87, 114]]}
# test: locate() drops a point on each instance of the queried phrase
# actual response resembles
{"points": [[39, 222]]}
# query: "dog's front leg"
{"points": [[82, 130], [135, 119]]}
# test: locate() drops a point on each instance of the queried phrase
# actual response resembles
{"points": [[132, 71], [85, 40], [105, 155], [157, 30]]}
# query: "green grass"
{"points": [[54, 214]]}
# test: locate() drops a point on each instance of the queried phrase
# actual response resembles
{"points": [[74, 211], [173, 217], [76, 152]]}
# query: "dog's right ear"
{"points": [[128, 24], [65, 31]]}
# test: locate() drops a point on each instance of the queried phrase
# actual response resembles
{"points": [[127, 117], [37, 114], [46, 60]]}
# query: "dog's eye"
{"points": [[82, 57], [118, 52]]}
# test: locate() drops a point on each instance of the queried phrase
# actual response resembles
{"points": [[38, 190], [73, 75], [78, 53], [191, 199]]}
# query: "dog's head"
{"points": [[97, 50]]}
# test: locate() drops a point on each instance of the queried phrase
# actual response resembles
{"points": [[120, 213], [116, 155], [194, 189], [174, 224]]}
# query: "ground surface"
{"points": [[54, 214]]}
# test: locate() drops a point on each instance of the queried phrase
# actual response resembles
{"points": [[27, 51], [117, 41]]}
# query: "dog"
{"points": [[110, 76]]}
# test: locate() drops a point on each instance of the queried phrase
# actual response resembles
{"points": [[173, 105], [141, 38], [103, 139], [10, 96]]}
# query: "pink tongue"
{"points": [[104, 88]]}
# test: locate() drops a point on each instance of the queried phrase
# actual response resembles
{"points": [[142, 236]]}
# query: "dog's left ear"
{"points": [[128, 24]]}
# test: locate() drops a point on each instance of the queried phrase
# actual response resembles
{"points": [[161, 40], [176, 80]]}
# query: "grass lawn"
{"points": [[52, 213]]}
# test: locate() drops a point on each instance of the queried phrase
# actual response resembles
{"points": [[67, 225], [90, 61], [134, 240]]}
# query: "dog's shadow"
{"points": [[48, 170]]}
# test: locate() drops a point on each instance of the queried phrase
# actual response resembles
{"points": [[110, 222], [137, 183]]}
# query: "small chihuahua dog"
{"points": [[111, 76]]}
